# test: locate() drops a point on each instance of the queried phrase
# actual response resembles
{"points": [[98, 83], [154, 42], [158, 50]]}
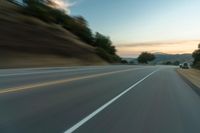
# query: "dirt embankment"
{"points": [[193, 76], [28, 42]]}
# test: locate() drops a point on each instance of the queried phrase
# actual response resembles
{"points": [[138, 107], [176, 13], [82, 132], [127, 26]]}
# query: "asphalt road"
{"points": [[109, 99]]}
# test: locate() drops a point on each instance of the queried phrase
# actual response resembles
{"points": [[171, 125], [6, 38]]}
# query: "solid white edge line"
{"points": [[52, 71], [48, 72], [87, 118]]}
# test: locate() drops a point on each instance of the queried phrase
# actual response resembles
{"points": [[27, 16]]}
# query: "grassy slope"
{"points": [[193, 75], [28, 42]]}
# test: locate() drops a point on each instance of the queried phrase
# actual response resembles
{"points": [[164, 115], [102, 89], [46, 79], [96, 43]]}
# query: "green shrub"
{"points": [[196, 56], [196, 65], [105, 43], [108, 57], [38, 10], [79, 27]]}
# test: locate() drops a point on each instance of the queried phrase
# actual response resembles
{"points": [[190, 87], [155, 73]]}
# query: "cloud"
{"points": [[63, 4], [169, 47], [157, 43]]}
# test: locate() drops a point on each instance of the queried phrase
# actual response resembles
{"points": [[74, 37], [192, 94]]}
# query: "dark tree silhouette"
{"points": [[145, 57], [124, 61], [196, 55], [105, 43]]}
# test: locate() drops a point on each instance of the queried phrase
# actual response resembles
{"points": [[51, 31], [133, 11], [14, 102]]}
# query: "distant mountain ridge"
{"points": [[163, 57]]}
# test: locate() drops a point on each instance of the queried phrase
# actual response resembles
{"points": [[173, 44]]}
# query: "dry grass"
{"points": [[28, 41], [193, 75], [23, 60]]}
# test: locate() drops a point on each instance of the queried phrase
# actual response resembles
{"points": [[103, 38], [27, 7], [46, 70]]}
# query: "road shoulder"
{"points": [[192, 77]]}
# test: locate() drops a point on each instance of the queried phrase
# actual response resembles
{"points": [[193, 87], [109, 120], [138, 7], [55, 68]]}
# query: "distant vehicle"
{"points": [[184, 66]]}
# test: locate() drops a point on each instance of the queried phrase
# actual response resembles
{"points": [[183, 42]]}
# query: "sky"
{"points": [[168, 26], [144, 22]]}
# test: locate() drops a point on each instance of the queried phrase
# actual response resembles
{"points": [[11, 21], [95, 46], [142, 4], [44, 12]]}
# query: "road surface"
{"points": [[108, 99]]}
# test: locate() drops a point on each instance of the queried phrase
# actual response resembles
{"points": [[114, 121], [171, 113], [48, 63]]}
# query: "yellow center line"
{"points": [[36, 85]]}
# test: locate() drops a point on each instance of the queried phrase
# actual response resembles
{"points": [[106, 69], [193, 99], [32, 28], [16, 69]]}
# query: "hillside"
{"points": [[162, 58], [29, 42]]}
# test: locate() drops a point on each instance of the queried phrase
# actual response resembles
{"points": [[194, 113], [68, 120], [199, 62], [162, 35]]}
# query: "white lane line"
{"points": [[87, 118], [52, 71], [48, 72], [61, 81]]}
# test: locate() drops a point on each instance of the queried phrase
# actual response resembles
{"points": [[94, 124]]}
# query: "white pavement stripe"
{"points": [[48, 72], [61, 81], [93, 114]]}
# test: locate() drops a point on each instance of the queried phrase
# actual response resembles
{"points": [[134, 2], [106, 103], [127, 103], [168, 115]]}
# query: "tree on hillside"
{"points": [[105, 49], [41, 10], [79, 26], [105, 43], [47, 11], [145, 57], [196, 56], [81, 21]]}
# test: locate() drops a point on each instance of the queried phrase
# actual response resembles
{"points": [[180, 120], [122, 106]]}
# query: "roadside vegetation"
{"points": [[196, 56], [175, 63], [192, 75], [45, 11], [146, 57]]}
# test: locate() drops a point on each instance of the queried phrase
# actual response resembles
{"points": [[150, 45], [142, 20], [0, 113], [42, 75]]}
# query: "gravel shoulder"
{"points": [[192, 76]]}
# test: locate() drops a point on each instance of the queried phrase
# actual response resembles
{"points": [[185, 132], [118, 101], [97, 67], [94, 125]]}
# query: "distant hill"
{"points": [[162, 58]]}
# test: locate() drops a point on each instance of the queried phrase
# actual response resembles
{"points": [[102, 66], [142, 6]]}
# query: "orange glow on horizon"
{"points": [[164, 47]]}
